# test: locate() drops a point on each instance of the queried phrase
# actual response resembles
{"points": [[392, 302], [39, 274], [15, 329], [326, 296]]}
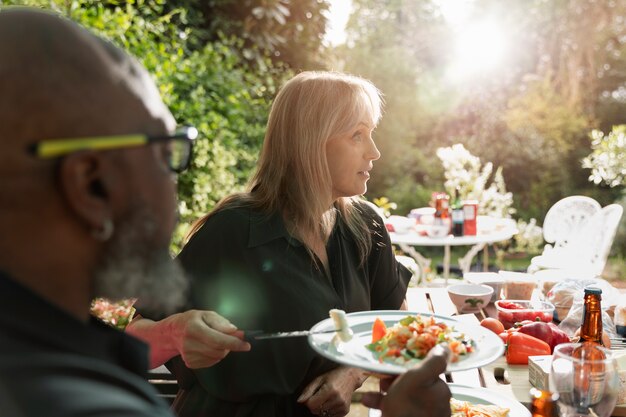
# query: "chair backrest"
{"points": [[567, 217], [594, 242]]}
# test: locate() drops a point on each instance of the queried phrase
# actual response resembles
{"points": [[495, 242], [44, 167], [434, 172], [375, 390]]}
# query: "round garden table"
{"points": [[489, 230]]}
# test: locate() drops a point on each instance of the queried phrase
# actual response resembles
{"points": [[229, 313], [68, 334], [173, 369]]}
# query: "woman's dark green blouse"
{"points": [[246, 267]]}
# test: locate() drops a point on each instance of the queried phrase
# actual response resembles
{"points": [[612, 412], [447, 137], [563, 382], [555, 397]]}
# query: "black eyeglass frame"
{"points": [[55, 148]]}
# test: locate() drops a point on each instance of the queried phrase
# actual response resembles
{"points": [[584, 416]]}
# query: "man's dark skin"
{"points": [[59, 81], [418, 392]]}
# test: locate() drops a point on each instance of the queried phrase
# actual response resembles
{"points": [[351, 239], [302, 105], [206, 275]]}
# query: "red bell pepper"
{"points": [[548, 332], [521, 345]]}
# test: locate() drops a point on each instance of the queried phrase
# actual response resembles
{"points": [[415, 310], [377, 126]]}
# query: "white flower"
{"points": [[608, 158], [464, 171]]}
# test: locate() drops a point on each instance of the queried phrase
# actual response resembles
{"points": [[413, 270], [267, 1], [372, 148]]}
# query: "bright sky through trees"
{"points": [[480, 47], [337, 18]]}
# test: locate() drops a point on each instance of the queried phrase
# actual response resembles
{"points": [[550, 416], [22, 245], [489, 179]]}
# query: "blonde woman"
{"points": [[297, 244]]}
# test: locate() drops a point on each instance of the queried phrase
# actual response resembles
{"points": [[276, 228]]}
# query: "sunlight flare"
{"points": [[479, 48]]}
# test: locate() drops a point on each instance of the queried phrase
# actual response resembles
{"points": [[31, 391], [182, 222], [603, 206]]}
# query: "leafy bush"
{"points": [[465, 172], [608, 159], [208, 86]]}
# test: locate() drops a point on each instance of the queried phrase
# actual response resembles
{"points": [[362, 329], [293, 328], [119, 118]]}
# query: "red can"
{"points": [[470, 212]]}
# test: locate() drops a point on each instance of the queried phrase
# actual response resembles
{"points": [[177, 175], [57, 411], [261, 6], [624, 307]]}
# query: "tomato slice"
{"points": [[379, 330]]}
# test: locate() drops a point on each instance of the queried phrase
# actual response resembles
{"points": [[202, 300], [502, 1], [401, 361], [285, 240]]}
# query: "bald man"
{"points": [[87, 208]]}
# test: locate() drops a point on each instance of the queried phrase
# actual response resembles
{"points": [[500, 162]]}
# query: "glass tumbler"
{"points": [[585, 376]]}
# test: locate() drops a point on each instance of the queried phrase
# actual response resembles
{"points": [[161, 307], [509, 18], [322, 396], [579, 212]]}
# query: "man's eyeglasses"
{"points": [[179, 150]]}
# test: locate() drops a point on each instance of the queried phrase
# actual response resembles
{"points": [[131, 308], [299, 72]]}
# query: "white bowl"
{"points": [[423, 214], [470, 297], [438, 231], [491, 279], [400, 224]]}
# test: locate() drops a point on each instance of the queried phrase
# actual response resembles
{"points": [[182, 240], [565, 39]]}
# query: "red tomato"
{"points": [[493, 325], [509, 305], [378, 330]]}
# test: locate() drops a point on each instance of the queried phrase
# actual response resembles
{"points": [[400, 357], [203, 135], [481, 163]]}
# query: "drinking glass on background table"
{"points": [[586, 378]]}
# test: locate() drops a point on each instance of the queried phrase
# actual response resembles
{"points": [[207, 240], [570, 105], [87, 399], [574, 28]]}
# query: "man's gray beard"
{"points": [[132, 268]]}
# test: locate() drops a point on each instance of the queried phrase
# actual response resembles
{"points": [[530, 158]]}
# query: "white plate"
{"points": [[488, 345], [481, 396]]}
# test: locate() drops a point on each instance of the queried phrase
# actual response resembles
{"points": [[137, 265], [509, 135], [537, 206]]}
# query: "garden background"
{"points": [[520, 84]]}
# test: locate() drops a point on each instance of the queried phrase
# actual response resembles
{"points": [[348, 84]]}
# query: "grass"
{"points": [[436, 256]]}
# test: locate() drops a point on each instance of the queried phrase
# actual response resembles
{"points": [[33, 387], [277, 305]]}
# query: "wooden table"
{"points": [[507, 380]]}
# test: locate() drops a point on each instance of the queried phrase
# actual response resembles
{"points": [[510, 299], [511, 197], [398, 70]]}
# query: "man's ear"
{"points": [[84, 180]]}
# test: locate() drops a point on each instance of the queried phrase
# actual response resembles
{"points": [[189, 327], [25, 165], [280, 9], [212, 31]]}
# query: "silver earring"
{"points": [[105, 232]]}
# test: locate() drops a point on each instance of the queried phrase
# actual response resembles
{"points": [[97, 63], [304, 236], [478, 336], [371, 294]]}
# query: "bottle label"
{"points": [[457, 216]]}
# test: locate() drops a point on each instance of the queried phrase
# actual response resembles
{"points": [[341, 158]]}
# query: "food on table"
{"points": [[379, 330], [513, 311], [519, 346], [467, 409], [344, 332], [548, 332], [519, 290], [492, 324], [413, 337]]}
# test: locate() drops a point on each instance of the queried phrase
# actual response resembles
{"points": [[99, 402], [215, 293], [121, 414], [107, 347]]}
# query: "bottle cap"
{"points": [[593, 290]]}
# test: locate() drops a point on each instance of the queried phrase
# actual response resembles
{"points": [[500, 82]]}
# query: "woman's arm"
{"points": [[331, 393], [201, 338]]}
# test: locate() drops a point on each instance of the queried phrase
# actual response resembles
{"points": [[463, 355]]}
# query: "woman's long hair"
{"points": [[292, 175]]}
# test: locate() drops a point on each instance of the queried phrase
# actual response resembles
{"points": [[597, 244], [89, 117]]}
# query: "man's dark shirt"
{"points": [[51, 364]]}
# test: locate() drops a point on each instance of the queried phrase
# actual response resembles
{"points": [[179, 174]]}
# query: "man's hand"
{"points": [[330, 394], [418, 392]]}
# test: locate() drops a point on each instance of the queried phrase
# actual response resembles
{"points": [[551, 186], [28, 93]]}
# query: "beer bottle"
{"points": [[591, 328], [458, 216], [543, 403], [590, 354]]}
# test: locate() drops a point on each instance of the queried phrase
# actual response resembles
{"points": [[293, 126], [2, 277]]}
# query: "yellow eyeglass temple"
{"points": [[58, 147]]}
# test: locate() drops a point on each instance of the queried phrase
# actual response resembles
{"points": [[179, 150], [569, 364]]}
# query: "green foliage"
{"points": [[207, 86], [562, 76], [529, 238], [290, 32], [540, 111]]}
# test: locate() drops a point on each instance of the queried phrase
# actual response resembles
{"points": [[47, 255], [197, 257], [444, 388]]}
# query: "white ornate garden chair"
{"points": [[587, 250], [562, 224]]}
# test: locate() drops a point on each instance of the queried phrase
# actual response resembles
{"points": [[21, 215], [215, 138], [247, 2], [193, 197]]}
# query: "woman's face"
{"points": [[350, 158]]}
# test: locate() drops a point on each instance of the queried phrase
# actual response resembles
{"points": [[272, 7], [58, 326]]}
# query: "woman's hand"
{"points": [[201, 338], [330, 394]]}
